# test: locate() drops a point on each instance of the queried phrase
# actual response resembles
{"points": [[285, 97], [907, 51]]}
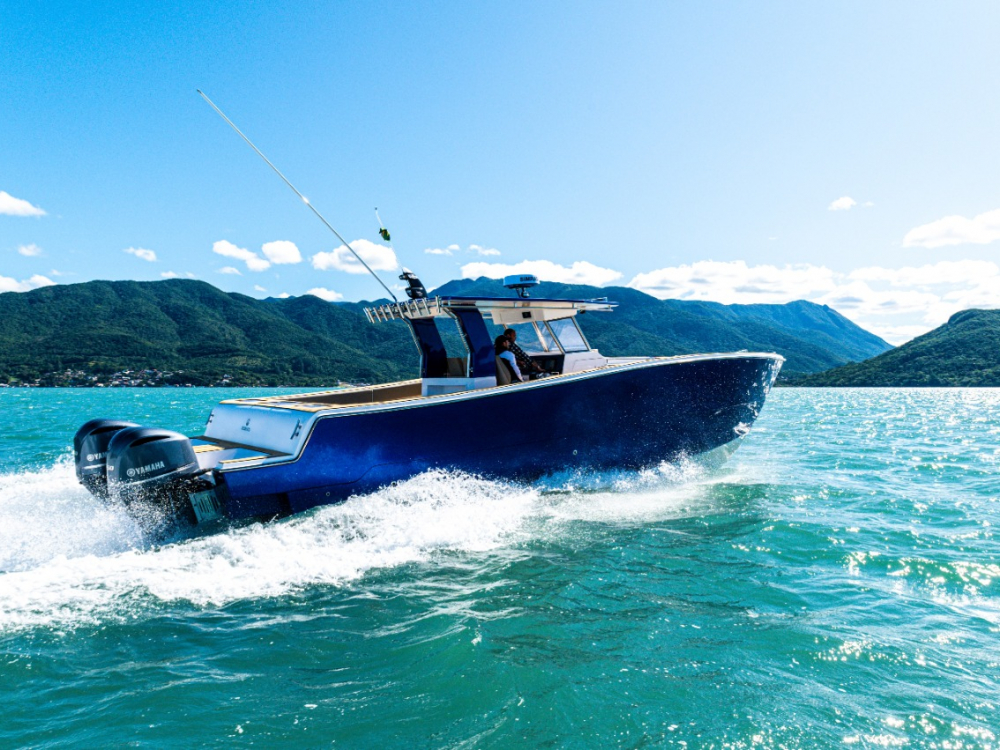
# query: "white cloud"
{"points": [[259, 288], [378, 257], [38, 280], [858, 300], [230, 271], [480, 250], [229, 250], [8, 284], [842, 204], [175, 275], [30, 251], [943, 272], [281, 251], [452, 249], [284, 295], [328, 294], [580, 272], [895, 303], [11, 206], [141, 252], [736, 283], [956, 230]]}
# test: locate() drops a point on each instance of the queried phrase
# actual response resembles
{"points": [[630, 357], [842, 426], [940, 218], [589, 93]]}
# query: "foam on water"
{"points": [[69, 561], [46, 514], [625, 496], [671, 490]]}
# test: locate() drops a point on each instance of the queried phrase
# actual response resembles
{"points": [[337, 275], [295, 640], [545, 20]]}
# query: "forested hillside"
{"points": [[198, 334], [965, 351]]}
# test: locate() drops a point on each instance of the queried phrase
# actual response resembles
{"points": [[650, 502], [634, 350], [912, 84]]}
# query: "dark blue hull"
{"points": [[623, 417]]}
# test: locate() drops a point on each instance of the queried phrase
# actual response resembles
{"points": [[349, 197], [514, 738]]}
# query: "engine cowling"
{"points": [[153, 470], [150, 457], [90, 446]]}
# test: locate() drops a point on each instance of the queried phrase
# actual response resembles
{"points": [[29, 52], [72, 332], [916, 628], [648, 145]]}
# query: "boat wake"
{"points": [[47, 514], [67, 561]]}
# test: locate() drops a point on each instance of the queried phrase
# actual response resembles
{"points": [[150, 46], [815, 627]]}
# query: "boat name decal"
{"points": [[146, 469]]}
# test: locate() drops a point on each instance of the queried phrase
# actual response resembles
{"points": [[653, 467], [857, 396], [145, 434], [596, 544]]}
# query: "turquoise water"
{"points": [[836, 584]]}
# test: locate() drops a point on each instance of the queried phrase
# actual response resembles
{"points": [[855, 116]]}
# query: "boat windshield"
{"points": [[534, 338], [545, 335], [569, 335]]}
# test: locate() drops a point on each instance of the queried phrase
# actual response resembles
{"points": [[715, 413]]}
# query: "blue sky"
{"points": [[845, 153]]}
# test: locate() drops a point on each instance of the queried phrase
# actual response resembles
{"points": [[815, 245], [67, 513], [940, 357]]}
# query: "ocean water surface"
{"points": [[835, 584]]}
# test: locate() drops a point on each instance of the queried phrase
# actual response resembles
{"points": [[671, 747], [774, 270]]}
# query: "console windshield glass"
{"points": [[569, 335]]}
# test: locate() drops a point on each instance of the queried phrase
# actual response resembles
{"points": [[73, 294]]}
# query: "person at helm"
{"points": [[505, 358], [525, 363]]}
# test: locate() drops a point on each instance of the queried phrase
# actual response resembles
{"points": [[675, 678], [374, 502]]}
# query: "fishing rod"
{"points": [[295, 190]]}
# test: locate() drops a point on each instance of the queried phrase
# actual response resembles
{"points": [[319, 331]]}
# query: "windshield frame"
{"points": [[572, 348]]}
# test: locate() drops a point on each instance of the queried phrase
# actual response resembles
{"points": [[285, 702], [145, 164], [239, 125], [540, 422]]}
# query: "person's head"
{"points": [[501, 344], [511, 334]]}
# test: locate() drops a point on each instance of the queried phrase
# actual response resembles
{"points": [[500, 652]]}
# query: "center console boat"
{"points": [[272, 456]]}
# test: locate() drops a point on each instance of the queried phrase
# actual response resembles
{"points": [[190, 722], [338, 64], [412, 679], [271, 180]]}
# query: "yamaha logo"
{"points": [[96, 456], [140, 470]]}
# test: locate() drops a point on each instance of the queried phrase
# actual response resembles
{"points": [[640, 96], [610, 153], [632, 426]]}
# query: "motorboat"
{"points": [[271, 456]]}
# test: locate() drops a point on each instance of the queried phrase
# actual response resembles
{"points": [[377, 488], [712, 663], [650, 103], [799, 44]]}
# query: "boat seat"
{"points": [[503, 374]]}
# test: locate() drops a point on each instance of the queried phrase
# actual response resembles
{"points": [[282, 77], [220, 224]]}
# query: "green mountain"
{"points": [[107, 326], [201, 334], [965, 351]]}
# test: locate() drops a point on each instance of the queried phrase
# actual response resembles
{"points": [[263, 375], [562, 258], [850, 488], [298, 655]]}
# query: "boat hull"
{"points": [[628, 417]]}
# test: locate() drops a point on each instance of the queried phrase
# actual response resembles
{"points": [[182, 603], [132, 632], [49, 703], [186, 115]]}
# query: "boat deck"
{"points": [[410, 390], [322, 400], [405, 390]]}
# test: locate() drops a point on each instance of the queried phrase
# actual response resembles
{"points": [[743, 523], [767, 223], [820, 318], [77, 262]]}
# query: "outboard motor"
{"points": [[152, 471], [90, 444]]}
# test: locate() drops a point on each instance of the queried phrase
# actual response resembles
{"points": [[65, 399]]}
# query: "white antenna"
{"points": [[294, 190]]}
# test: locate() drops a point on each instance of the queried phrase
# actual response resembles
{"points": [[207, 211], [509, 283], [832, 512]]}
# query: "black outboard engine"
{"points": [[91, 448], [152, 472]]}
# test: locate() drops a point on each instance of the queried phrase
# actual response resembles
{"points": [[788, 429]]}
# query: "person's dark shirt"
{"points": [[523, 360]]}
